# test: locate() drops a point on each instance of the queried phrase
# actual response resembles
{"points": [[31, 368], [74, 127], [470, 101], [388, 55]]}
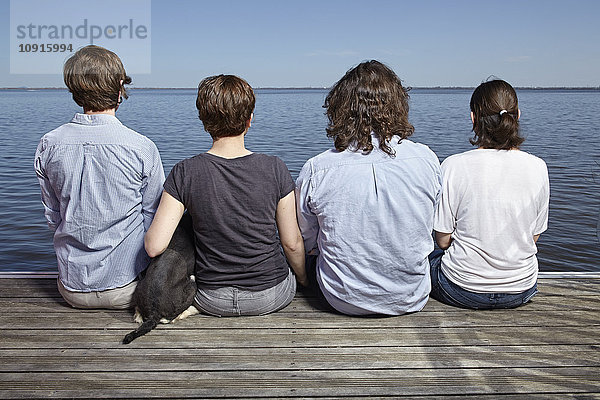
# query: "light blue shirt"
{"points": [[370, 219], [101, 183]]}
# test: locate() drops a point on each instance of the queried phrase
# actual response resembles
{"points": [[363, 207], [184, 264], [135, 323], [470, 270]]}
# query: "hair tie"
{"points": [[503, 112]]}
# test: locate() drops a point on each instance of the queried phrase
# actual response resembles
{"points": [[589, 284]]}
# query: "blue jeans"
{"points": [[233, 302], [445, 291]]}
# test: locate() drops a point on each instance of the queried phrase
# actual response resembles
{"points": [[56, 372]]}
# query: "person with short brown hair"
{"points": [[226, 112], [96, 77], [242, 206], [100, 184]]}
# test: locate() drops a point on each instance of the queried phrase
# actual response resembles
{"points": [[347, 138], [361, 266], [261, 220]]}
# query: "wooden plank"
{"points": [[41, 305], [314, 337], [546, 287], [525, 317], [347, 358], [302, 383], [547, 349]]}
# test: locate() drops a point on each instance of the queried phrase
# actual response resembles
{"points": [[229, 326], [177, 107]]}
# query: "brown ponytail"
{"points": [[495, 111]]}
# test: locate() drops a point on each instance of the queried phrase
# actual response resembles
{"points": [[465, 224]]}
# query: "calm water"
{"points": [[560, 126]]}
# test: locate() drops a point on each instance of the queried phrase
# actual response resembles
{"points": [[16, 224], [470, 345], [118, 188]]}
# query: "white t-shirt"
{"points": [[493, 202]]}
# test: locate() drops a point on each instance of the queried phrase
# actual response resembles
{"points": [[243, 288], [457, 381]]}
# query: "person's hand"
{"points": [[302, 280]]}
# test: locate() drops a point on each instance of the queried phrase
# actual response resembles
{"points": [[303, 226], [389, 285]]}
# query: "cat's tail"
{"points": [[144, 328]]}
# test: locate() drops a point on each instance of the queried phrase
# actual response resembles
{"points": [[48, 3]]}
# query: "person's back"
{"points": [[233, 202], [238, 202], [495, 194], [100, 185], [367, 209], [494, 206]]}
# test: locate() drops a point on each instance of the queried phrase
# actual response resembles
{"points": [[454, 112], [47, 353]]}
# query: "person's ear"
{"points": [[472, 117], [249, 122], [518, 113]]}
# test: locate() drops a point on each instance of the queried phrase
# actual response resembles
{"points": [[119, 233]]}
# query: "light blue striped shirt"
{"points": [[101, 183], [370, 218]]}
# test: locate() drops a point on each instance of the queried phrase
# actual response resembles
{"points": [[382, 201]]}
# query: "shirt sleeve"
{"points": [[445, 216], [307, 220], [49, 198], [543, 201], [173, 183], [286, 183], [152, 187]]}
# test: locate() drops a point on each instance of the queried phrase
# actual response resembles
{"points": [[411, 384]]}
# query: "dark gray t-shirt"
{"points": [[232, 203]]}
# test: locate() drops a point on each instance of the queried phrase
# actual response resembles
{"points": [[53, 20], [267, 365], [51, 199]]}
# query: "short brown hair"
{"points": [[225, 104], [93, 75], [495, 111], [369, 98]]}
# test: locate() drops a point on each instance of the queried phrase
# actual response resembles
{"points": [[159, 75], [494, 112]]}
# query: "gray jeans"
{"points": [[234, 302], [116, 299]]}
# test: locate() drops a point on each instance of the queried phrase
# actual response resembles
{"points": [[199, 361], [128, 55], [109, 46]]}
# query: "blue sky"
{"points": [[312, 43]]}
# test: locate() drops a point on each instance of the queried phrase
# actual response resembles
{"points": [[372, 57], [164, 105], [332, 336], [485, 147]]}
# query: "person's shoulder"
{"points": [[187, 166], [265, 158], [413, 149], [459, 158], [263, 161], [531, 157], [137, 138], [533, 160], [324, 158], [193, 160], [56, 133]]}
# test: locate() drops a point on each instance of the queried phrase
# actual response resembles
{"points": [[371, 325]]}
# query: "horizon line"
{"points": [[308, 87]]}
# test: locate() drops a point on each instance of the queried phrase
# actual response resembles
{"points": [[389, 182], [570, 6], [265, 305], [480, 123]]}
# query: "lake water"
{"points": [[560, 126]]}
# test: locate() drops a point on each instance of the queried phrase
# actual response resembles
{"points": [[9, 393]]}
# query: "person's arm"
{"points": [[289, 234], [152, 189], [49, 198], [443, 240], [307, 221], [543, 201], [163, 226]]}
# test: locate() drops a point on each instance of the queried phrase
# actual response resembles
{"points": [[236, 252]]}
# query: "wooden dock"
{"points": [[549, 348]]}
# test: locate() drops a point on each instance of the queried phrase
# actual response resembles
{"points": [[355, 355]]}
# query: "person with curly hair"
{"points": [[365, 208]]}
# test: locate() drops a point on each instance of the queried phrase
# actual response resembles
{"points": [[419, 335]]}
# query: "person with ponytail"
{"points": [[493, 208]]}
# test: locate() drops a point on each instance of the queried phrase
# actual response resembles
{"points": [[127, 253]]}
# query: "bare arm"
{"points": [[443, 240], [289, 233], [164, 224]]}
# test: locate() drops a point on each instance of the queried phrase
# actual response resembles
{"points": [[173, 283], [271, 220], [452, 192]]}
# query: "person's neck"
{"points": [[229, 147], [111, 111]]}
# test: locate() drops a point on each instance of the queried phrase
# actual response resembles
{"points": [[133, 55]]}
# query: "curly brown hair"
{"points": [[93, 75], [495, 111], [225, 104], [369, 98]]}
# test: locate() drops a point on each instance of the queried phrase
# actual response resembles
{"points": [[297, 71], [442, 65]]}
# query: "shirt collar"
{"points": [[95, 119], [375, 142]]}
